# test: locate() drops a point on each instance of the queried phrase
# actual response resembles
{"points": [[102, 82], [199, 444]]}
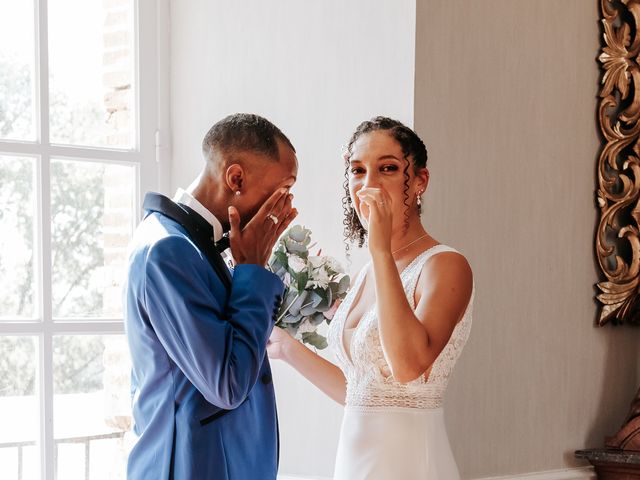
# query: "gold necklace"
{"points": [[409, 244]]}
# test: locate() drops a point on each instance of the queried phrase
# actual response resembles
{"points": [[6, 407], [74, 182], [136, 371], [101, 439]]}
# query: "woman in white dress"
{"points": [[402, 326]]}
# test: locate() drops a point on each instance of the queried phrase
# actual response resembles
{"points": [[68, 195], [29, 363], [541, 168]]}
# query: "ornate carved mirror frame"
{"points": [[618, 171], [618, 197]]}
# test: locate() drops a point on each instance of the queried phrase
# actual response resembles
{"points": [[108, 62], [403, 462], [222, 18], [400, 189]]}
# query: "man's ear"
{"points": [[235, 177]]}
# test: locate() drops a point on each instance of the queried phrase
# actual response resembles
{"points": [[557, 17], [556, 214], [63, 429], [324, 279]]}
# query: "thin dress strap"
{"points": [[413, 270]]}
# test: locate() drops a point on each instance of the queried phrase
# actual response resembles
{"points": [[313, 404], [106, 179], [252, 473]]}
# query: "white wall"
{"points": [[316, 69]]}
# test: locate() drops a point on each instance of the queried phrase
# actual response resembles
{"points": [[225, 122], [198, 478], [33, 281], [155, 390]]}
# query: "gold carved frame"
{"points": [[618, 195]]}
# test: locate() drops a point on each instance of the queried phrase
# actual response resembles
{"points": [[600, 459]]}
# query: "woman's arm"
{"points": [[411, 341], [322, 373]]}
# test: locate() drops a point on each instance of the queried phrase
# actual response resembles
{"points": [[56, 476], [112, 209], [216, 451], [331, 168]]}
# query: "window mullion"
{"points": [[46, 358], [46, 352], [46, 314], [42, 71], [46, 404]]}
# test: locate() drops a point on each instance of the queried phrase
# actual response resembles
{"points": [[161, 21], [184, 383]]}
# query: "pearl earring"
{"points": [[237, 193], [418, 199]]}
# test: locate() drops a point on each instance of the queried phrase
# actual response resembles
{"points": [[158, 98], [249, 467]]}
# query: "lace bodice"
{"points": [[369, 379]]}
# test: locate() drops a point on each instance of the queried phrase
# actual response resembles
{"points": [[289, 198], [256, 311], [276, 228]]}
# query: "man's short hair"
{"points": [[244, 132]]}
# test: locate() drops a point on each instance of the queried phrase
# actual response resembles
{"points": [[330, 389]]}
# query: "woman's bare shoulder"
{"points": [[448, 271]]}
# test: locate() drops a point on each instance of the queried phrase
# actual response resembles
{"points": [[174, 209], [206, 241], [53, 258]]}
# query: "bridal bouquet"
{"points": [[314, 286]]}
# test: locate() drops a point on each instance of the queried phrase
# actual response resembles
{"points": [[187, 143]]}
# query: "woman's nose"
{"points": [[371, 181]]}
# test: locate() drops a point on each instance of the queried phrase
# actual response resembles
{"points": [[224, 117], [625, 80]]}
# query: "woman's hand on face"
{"points": [[378, 203], [278, 343]]}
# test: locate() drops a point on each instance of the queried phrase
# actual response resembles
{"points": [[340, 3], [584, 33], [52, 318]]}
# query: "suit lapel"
{"points": [[200, 231], [207, 245]]}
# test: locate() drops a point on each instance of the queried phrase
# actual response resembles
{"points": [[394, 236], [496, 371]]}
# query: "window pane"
{"points": [[92, 218], [91, 406], [17, 60], [19, 454], [17, 282], [93, 104]]}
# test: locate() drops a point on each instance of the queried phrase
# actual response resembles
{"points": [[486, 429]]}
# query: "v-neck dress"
{"points": [[393, 430]]}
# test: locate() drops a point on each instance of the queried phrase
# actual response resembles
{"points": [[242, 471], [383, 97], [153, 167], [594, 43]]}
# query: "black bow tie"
{"points": [[223, 243], [201, 225]]}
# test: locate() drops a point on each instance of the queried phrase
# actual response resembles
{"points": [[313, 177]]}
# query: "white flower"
{"points": [[297, 264], [333, 265], [320, 278], [317, 262]]}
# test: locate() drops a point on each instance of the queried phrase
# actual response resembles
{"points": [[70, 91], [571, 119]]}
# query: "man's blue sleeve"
{"points": [[220, 348]]}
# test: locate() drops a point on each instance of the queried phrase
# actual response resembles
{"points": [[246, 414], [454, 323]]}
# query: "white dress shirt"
{"points": [[184, 197]]}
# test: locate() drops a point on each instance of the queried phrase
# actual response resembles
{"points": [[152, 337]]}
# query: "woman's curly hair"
{"points": [[412, 147]]}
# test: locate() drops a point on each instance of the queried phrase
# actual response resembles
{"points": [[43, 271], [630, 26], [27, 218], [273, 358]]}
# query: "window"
{"points": [[78, 120]]}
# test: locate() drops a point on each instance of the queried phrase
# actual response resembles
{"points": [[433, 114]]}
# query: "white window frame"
{"points": [[149, 155]]}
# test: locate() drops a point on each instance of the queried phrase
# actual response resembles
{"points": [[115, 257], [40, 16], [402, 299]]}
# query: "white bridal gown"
{"points": [[390, 430]]}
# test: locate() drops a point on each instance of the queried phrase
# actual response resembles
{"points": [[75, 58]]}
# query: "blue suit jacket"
{"points": [[203, 400]]}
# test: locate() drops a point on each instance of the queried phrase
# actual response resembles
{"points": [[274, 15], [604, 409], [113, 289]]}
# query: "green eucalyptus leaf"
{"points": [[289, 297], [302, 279], [312, 302], [329, 299], [290, 319], [315, 339], [344, 284], [317, 319], [294, 309], [281, 257], [307, 310], [279, 270], [316, 298], [291, 328]]}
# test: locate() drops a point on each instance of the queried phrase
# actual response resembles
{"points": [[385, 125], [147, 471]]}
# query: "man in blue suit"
{"points": [[203, 399]]}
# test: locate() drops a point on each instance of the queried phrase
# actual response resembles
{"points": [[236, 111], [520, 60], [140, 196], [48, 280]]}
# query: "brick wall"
{"points": [[119, 186]]}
